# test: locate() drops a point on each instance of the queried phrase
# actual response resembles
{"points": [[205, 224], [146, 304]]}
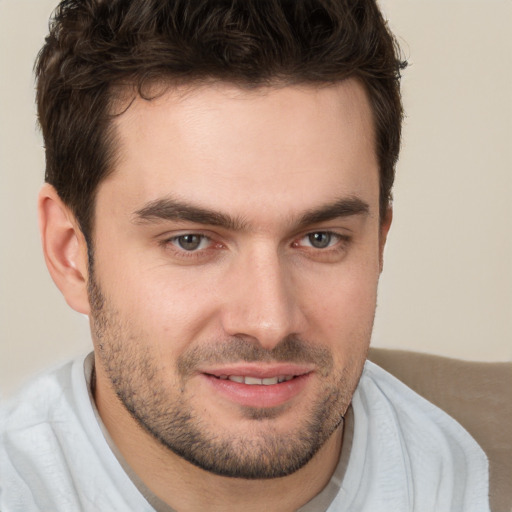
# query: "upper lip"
{"points": [[259, 371]]}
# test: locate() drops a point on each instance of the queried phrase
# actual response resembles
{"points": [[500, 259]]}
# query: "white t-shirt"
{"points": [[400, 454]]}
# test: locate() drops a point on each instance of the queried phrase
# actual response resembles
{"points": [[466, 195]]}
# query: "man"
{"points": [[217, 202]]}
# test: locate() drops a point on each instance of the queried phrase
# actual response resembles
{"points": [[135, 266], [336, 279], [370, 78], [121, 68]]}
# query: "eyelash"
{"points": [[331, 234], [172, 244], [340, 244]]}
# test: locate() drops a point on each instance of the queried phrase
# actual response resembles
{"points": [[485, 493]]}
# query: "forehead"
{"points": [[220, 144]]}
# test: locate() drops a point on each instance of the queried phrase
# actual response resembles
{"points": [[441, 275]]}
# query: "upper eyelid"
{"points": [[197, 232], [201, 235], [166, 240], [341, 235], [173, 237], [341, 240], [328, 227]]}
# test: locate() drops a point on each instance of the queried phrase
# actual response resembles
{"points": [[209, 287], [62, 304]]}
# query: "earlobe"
{"points": [[384, 230], [64, 248]]}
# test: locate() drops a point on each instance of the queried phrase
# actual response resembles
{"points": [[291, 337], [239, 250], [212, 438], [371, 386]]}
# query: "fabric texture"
{"points": [[477, 394], [402, 454]]}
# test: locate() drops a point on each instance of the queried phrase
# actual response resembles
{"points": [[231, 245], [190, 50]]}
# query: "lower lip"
{"points": [[256, 395]]}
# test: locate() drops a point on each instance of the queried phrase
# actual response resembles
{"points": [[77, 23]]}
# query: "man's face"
{"points": [[237, 253]]}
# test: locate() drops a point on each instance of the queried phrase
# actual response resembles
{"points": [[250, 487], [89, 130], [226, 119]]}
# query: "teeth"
{"points": [[251, 381]]}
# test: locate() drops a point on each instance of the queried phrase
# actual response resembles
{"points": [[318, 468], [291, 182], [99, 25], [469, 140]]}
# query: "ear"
{"points": [[384, 230], [64, 247]]}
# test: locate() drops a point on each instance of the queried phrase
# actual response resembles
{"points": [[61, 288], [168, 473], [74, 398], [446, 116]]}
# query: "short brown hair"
{"points": [[94, 46]]}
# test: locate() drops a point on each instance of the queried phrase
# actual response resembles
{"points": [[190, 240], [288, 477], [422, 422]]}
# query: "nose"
{"points": [[262, 302]]}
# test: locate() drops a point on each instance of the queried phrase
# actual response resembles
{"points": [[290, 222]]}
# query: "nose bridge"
{"points": [[262, 301]]}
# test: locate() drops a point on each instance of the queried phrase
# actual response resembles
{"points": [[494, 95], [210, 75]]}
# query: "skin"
{"points": [[164, 318]]}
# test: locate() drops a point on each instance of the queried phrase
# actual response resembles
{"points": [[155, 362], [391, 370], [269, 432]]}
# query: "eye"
{"points": [[191, 242], [323, 246], [319, 240]]}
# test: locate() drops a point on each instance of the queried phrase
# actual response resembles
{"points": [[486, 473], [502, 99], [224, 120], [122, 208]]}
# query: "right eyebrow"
{"points": [[174, 210]]}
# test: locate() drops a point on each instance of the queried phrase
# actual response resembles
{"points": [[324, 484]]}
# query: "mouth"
{"points": [[255, 381], [259, 387]]}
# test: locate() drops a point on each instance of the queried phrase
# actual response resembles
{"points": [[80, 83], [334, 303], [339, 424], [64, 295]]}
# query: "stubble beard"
{"points": [[164, 412]]}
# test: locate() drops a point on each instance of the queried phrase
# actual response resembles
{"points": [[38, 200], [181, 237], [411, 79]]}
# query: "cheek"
{"points": [[345, 294], [167, 310], [350, 308], [341, 317]]}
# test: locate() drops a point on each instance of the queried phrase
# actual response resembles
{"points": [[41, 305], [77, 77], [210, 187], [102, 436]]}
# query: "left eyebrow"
{"points": [[345, 207]]}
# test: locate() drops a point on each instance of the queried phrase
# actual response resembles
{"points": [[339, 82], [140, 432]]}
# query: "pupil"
{"points": [[189, 242], [320, 240]]}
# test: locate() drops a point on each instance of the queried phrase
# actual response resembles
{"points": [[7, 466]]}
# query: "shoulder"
{"points": [[32, 426], [410, 442], [421, 424], [40, 433], [53, 455], [44, 411], [49, 403], [39, 400]]}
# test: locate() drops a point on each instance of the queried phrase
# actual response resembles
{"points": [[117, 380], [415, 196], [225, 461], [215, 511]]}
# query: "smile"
{"points": [[258, 387], [254, 381]]}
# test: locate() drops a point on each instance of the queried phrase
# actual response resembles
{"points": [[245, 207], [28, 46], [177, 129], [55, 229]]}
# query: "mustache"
{"points": [[291, 349]]}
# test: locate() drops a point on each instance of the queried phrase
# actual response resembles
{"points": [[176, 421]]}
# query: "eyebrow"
{"points": [[344, 207], [174, 210]]}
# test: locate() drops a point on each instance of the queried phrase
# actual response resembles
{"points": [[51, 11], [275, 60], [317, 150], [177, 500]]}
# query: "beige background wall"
{"points": [[447, 284]]}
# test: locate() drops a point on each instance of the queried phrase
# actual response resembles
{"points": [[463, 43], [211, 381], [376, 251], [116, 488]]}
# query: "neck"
{"points": [[186, 487]]}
